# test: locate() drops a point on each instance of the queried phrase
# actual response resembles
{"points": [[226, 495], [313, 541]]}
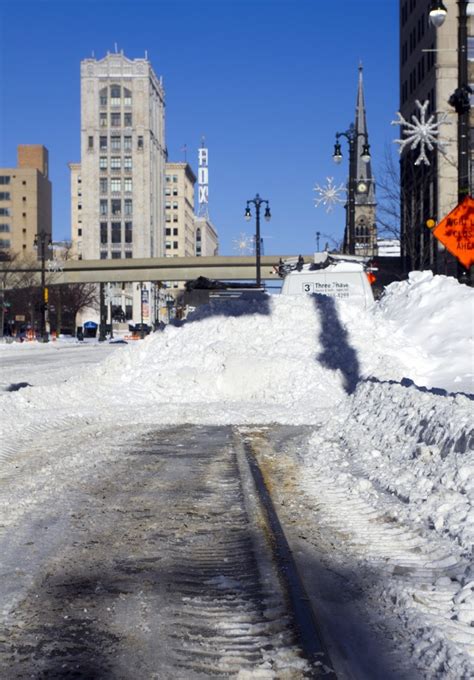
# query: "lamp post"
{"points": [[460, 99], [352, 136], [142, 330], [257, 202], [43, 240]]}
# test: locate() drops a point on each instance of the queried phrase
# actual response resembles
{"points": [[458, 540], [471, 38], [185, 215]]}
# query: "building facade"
{"points": [[117, 190], [206, 239], [429, 72], [25, 202]]}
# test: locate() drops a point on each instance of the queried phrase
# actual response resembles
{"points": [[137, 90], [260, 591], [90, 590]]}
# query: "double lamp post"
{"points": [[43, 241], [258, 202], [352, 137]]}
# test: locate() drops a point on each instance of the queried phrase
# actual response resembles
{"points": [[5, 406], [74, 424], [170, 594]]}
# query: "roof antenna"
{"points": [[116, 48], [146, 55]]}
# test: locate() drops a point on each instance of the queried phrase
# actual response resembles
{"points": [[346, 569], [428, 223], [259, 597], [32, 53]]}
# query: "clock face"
{"points": [[362, 187]]}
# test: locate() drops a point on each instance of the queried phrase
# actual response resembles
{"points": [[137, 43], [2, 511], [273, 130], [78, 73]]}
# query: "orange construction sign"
{"points": [[456, 232]]}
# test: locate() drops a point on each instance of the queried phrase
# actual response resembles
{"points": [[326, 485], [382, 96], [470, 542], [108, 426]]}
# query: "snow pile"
{"points": [[435, 315]]}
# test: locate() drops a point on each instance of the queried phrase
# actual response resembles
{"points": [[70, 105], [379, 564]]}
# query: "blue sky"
{"points": [[268, 82]]}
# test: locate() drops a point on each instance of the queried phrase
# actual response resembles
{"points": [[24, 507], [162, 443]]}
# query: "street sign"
{"points": [[456, 232]]}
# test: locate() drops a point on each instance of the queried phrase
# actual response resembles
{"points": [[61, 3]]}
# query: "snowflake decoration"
{"points": [[244, 244], [329, 195], [54, 265], [423, 133]]}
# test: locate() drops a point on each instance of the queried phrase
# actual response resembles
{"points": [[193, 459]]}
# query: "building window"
{"points": [[116, 206], [168, 178], [115, 185], [103, 206], [5, 211], [175, 231], [103, 254], [5, 243], [140, 142], [103, 185], [115, 163], [127, 97], [79, 207], [128, 232], [4, 196], [115, 143], [175, 205], [103, 119], [167, 205], [175, 218], [175, 179], [103, 143], [115, 95], [168, 231], [103, 97], [90, 142], [103, 232], [127, 184], [168, 218], [4, 228], [116, 255], [175, 244], [127, 162], [175, 191], [79, 232], [128, 206], [127, 119], [103, 162], [128, 255], [127, 143], [115, 119], [168, 245], [167, 191], [116, 232]]}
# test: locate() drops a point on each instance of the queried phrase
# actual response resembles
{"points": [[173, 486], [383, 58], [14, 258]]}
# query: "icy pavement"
{"points": [[144, 563]]}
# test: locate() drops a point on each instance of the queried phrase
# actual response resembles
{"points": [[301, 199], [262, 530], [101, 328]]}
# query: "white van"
{"points": [[340, 276]]}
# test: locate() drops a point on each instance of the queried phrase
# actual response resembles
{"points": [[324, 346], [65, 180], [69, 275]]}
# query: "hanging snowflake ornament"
{"points": [[329, 195], [244, 244], [422, 133]]}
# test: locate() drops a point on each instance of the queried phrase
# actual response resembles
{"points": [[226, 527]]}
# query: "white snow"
{"points": [[389, 391]]}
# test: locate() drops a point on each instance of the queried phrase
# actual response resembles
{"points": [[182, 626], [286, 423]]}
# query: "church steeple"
{"points": [[363, 172], [365, 203]]}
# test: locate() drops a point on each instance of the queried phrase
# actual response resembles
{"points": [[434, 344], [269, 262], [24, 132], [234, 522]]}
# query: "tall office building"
{"points": [[119, 210], [25, 201], [429, 72]]}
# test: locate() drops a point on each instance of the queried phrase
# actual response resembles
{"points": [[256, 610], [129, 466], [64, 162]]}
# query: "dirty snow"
{"points": [[390, 394]]}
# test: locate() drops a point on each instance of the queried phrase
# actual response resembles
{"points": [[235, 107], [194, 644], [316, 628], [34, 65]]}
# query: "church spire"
{"points": [[363, 170]]}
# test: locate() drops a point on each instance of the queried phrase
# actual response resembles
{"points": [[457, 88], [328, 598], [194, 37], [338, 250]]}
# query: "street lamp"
{"points": [[142, 330], [257, 202], [352, 136], [43, 240]]}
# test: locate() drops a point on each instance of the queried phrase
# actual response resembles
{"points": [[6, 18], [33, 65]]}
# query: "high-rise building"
{"points": [[119, 210], [429, 73], [25, 202]]}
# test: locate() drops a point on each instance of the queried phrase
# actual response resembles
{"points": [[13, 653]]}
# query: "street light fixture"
{"points": [[257, 202], [43, 240], [352, 136], [437, 13]]}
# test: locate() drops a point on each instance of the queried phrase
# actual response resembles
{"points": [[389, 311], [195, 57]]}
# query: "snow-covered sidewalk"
{"points": [[389, 467]]}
